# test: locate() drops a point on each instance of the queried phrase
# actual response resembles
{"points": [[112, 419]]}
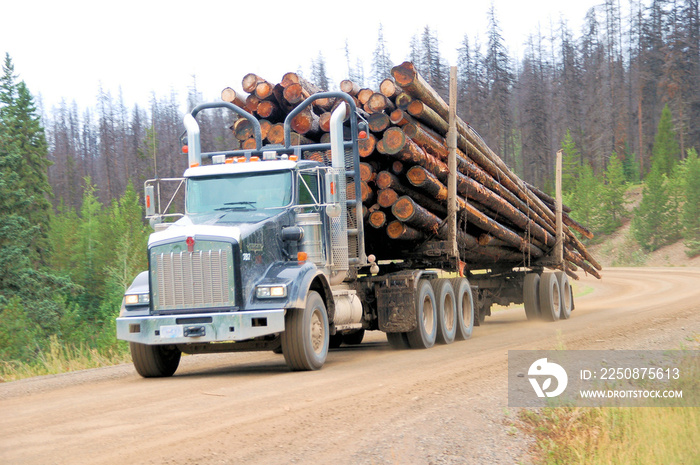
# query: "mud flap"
{"points": [[396, 302]]}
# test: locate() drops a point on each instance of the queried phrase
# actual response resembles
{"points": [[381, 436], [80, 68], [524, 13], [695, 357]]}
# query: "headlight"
{"points": [[136, 299], [271, 292]]}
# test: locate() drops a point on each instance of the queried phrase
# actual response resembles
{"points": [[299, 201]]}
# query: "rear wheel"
{"points": [[550, 299], [155, 361], [464, 302], [531, 295], [423, 336], [565, 292], [306, 336], [446, 311]]}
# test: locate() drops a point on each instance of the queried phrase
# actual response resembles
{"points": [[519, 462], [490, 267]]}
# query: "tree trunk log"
{"points": [[387, 197], [400, 118], [378, 122], [242, 129], [400, 231], [367, 145], [389, 88], [403, 100], [306, 122], [377, 219], [378, 103], [363, 95], [270, 111], [275, 135], [349, 87], [250, 82], [231, 96]]}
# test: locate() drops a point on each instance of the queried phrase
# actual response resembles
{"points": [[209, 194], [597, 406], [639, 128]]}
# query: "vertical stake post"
{"points": [[558, 207], [452, 165]]}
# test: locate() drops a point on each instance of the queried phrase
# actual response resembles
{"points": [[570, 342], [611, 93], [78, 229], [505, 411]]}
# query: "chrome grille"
{"points": [[199, 279]]}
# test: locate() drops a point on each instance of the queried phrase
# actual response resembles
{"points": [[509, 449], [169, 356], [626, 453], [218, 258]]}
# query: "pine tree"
{"points": [[585, 202], [650, 222], [381, 61], [666, 151], [613, 196], [319, 75], [24, 209], [571, 163], [630, 166], [24, 136], [691, 207]]}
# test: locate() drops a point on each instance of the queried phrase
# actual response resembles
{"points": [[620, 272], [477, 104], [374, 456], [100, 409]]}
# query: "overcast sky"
{"points": [[68, 48]]}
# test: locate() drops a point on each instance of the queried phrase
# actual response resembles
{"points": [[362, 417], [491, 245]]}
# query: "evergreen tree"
{"points": [[319, 75], [613, 196], [631, 167], [691, 207], [571, 163], [666, 151], [585, 202], [650, 221], [24, 136], [381, 62]]}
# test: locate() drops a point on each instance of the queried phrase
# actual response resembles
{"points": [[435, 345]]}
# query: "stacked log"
{"points": [[502, 221]]}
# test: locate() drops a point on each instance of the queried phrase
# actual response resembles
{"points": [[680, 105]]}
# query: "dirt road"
{"points": [[368, 405]]}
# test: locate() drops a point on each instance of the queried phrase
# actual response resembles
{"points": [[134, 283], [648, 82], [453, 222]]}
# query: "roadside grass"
{"points": [[620, 435], [58, 358], [607, 435]]}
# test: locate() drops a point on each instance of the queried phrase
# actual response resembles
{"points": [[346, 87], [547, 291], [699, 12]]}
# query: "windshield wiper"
{"points": [[244, 205]]}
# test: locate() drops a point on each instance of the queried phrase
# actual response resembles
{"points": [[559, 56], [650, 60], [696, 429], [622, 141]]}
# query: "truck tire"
{"points": [[550, 299], [446, 312], [398, 341], [565, 292], [464, 301], [531, 296], [306, 336], [423, 337], [157, 361], [354, 338]]}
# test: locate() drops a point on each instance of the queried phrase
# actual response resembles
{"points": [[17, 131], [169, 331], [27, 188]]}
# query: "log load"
{"points": [[503, 222]]}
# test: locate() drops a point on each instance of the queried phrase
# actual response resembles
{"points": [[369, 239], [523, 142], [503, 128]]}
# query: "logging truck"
{"points": [[272, 253]]}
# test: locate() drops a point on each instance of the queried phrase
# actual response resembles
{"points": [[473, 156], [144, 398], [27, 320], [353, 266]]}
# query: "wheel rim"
{"points": [[428, 317], [318, 332], [556, 300]]}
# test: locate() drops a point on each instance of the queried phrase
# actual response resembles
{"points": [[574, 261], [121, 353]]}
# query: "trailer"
{"points": [[272, 253]]}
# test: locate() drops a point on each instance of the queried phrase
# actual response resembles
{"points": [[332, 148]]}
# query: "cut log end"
{"points": [[386, 198]]}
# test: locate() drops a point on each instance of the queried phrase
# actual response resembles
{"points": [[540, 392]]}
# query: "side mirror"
{"points": [[332, 197], [149, 198]]}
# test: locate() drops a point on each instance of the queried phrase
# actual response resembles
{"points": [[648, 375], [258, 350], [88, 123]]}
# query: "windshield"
{"points": [[245, 197]]}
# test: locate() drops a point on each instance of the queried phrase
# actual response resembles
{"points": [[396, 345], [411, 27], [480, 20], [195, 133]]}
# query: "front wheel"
{"points": [[156, 361], [306, 336]]}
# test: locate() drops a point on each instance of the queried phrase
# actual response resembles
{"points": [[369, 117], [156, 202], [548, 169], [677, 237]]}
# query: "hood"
{"points": [[221, 225]]}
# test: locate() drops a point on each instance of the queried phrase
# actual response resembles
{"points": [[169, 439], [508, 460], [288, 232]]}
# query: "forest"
{"points": [[620, 98]]}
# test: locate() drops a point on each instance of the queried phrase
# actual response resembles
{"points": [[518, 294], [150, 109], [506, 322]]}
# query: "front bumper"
{"points": [[202, 327]]}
